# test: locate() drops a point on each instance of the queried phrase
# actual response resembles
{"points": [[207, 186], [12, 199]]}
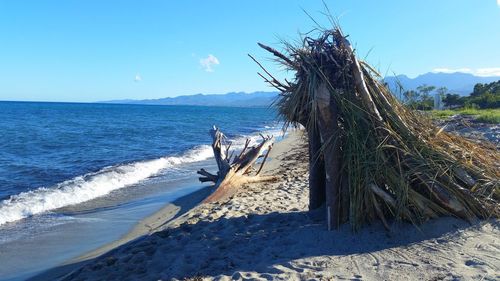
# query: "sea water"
{"points": [[72, 170]]}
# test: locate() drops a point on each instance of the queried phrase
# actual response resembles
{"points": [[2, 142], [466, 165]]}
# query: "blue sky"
{"points": [[96, 50]]}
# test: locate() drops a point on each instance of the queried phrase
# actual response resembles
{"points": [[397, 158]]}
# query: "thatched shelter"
{"points": [[371, 158]]}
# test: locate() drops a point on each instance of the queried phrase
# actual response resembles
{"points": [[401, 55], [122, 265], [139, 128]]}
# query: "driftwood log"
{"points": [[235, 169]]}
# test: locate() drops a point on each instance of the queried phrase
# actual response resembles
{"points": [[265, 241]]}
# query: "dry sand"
{"points": [[266, 233]]}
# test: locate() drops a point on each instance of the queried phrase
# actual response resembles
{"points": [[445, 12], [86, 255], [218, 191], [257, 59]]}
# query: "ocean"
{"points": [[67, 164]]}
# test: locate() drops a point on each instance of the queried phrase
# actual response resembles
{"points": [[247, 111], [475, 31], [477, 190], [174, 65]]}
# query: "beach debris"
{"points": [[235, 169], [372, 158]]}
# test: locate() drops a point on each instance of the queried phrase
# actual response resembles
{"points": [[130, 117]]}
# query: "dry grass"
{"points": [[395, 162]]}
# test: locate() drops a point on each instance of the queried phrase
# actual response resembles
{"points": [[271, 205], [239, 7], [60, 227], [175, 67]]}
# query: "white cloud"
{"points": [[208, 63], [498, 2], [137, 78], [452, 70], [490, 71]]}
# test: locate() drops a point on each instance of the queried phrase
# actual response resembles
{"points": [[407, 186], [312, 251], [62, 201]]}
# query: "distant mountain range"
{"points": [[458, 83], [240, 99]]}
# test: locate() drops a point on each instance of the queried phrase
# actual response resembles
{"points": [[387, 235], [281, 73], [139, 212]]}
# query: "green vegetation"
{"points": [[421, 98], [483, 102], [484, 96], [483, 115], [493, 118]]}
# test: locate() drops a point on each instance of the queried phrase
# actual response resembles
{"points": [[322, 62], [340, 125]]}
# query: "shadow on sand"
{"points": [[246, 243], [183, 205]]}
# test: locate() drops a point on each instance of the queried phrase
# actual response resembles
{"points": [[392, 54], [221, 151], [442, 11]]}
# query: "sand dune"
{"points": [[266, 233]]}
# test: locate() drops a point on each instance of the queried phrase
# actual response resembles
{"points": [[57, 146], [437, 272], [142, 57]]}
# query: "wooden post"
{"points": [[344, 198], [328, 128], [317, 193]]}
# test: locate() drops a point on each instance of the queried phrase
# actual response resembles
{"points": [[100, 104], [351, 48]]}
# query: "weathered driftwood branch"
{"points": [[359, 78], [236, 171]]}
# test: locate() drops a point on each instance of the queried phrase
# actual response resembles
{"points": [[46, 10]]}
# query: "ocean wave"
{"points": [[239, 142], [92, 185]]}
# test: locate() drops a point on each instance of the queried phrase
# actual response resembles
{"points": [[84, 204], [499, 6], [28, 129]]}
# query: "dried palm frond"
{"points": [[392, 161]]}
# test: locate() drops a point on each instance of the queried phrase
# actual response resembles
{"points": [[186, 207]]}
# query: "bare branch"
{"points": [[264, 161], [275, 81], [279, 55]]}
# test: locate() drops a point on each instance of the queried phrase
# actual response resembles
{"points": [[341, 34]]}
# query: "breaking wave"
{"points": [[89, 186]]}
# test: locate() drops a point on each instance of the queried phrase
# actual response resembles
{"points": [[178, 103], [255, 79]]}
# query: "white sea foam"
{"points": [[93, 185], [90, 186], [239, 143]]}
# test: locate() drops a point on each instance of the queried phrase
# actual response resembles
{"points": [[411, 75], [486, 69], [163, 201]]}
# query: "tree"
{"points": [[442, 91], [425, 91], [410, 96], [484, 96], [479, 88], [452, 100], [426, 101]]}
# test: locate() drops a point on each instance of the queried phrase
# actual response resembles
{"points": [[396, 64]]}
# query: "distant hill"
{"points": [[459, 83], [240, 99]]}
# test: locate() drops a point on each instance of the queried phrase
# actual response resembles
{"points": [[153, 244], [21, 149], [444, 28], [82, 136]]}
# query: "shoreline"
{"points": [[172, 210], [147, 225], [265, 232], [98, 224], [166, 214]]}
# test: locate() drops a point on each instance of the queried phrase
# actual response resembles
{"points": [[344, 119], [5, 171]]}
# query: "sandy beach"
{"points": [[265, 232], [249, 140]]}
